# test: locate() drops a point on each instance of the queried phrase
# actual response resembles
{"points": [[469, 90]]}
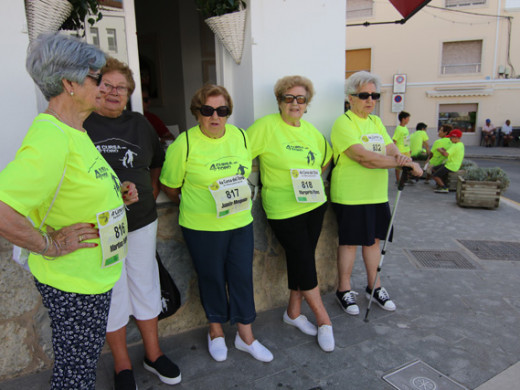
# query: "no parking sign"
{"points": [[397, 102], [399, 83]]}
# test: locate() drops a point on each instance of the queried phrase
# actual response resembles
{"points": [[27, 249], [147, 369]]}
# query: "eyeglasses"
{"points": [[96, 76], [366, 95], [300, 99], [120, 89], [208, 111]]}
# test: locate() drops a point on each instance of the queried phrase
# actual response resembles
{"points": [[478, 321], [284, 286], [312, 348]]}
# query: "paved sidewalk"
{"points": [[463, 322]]}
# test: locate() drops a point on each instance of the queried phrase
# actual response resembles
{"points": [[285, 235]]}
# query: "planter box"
{"points": [[484, 194], [452, 180]]}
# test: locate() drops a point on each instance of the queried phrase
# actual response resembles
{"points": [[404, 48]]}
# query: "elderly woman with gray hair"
{"points": [[61, 184], [363, 153]]}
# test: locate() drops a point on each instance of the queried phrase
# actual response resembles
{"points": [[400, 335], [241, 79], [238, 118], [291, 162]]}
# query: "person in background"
{"points": [[157, 123], [419, 147], [363, 153], [210, 164], [401, 139], [131, 147], [489, 131], [435, 158], [507, 133], [293, 154], [61, 183], [454, 156]]}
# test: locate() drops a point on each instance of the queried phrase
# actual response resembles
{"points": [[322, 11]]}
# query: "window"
{"points": [[111, 38], [464, 3], [94, 35], [461, 57], [460, 116], [359, 9], [356, 60]]}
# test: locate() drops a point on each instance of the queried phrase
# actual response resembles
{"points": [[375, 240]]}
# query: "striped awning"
{"points": [[460, 93]]}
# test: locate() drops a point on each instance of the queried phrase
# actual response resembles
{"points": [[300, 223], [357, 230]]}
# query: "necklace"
{"points": [[58, 117], [55, 114], [212, 136]]}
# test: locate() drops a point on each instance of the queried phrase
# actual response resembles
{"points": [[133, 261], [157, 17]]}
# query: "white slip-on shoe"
{"points": [[326, 338], [301, 322], [217, 348], [256, 349]]}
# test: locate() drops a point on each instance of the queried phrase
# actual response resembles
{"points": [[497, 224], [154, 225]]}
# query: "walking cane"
{"points": [[400, 186]]}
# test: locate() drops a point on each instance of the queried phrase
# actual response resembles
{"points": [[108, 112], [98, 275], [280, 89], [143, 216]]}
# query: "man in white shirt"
{"points": [[489, 133], [507, 132]]}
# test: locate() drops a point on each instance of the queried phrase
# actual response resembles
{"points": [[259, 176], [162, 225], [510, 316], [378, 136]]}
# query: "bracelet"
{"points": [[57, 251], [47, 243]]}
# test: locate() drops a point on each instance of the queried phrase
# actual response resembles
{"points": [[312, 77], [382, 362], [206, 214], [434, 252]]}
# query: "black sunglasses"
{"points": [[300, 99], [366, 95], [96, 76], [208, 111]]}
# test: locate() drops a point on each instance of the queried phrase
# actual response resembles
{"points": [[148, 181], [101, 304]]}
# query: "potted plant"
{"points": [[227, 20], [453, 176], [51, 15], [481, 187], [81, 9]]}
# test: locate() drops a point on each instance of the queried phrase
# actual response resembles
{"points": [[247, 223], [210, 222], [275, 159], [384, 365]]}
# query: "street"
{"points": [[512, 168]]}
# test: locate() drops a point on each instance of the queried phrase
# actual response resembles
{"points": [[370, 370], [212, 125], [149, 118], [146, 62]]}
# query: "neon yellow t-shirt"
{"points": [[402, 139], [352, 183], [416, 142], [455, 156], [437, 158], [280, 148], [208, 160], [90, 186]]}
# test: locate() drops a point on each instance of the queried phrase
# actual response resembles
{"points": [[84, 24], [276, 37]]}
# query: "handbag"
{"points": [[170, 295]]}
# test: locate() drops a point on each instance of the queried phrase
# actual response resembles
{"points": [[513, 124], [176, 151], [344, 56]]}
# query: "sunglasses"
{"points": [[366, 95], [222, 111], [96, 76], [300, 99]]}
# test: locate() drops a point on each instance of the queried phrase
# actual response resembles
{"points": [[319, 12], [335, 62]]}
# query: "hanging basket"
{"points": [[45, 15], [230, 30]]}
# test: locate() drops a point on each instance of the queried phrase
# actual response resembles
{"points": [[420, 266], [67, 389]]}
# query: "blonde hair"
{"points": [[288, 82], [114, 65]]}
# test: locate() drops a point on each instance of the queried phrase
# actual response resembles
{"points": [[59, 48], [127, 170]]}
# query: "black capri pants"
{"points": [[299, 237]]}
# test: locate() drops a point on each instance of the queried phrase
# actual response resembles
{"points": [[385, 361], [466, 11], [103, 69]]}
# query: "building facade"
{"points": [[455, 61]]}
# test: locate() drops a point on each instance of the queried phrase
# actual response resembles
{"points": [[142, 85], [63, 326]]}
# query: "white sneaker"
{"points": [[326, 338], [256, 349], [301, 322], [217, 348]]}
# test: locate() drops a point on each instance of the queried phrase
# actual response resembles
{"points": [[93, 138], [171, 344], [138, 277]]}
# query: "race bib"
{"points": [[374, 143], [113, 234], [231, 194], [307, 185]]}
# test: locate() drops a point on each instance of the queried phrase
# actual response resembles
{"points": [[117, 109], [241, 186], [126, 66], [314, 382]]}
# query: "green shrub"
{"points": [[466, 164], [488, 174], [209, 8]]}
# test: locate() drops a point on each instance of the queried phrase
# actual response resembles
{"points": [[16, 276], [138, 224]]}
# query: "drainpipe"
{"points": [[499, 7]]}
